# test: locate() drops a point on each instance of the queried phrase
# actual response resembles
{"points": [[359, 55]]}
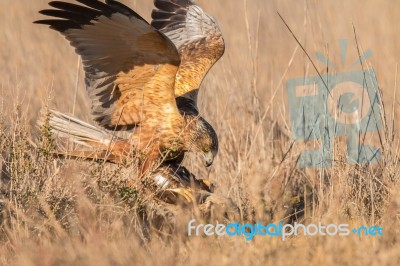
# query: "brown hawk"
{"points": [[141, 76]]}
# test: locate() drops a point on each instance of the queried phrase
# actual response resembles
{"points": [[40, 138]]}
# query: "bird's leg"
{"points": [[185, 193], [147, 162]]}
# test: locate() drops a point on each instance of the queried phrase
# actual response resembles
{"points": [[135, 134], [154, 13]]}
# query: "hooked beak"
{"points": [[208, 158]]}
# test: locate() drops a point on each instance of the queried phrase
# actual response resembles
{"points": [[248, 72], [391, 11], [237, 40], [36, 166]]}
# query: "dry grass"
{"points": [[56, 212]]}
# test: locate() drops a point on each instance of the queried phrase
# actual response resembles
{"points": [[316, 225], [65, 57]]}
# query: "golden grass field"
{"points": [[57, 212]]}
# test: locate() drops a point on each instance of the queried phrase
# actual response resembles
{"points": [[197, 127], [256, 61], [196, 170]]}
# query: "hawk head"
{"points": [[203, 140]]}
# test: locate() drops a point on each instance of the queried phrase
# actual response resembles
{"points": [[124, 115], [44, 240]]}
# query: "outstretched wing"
{"points": [[130, 67], [197, 37]]}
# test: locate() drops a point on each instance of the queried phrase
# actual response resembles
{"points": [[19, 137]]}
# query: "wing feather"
{"points": [[129, 66], [197, 37]]}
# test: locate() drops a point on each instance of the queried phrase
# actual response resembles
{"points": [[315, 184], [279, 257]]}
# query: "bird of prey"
{"points": [[141, 77]]}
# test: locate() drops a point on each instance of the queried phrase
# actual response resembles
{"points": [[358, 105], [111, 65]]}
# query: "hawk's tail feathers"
{"points": [[77, 131]]}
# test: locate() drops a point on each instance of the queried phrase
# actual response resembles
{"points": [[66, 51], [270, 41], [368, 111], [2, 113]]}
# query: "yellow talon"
{"points": [[207, 182], [185, 193]]}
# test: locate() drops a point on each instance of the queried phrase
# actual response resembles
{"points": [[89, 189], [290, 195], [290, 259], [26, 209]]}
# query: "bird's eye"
{"points": [[206, 149]]}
